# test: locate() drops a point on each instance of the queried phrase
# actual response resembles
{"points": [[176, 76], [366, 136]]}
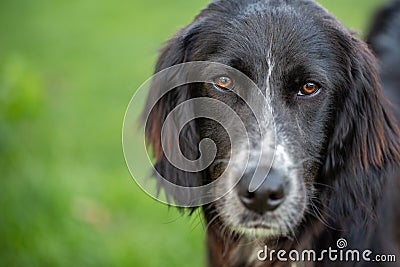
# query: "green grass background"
{"points": [[67, 72]]}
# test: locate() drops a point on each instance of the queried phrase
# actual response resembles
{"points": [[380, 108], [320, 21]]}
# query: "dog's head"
{"points": [[318, 86]]}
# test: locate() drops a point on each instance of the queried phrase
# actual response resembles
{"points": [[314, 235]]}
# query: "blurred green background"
{"points": [[67, 72]]}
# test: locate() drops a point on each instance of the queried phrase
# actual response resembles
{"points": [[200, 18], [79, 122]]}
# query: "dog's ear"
{"points": [[365, 134], [363, 145], [177, 51], [365, 139]]}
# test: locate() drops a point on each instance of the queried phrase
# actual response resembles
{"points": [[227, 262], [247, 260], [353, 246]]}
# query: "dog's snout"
{"points": [[268, 196]]}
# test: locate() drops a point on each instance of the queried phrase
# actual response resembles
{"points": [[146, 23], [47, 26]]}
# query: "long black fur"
{"points": [[356, 137]]}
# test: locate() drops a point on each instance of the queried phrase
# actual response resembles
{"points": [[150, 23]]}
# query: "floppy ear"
{"points": [[175, 52], [365, 134], [364, 144]]}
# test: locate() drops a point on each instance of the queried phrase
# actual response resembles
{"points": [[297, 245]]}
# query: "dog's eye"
{"points": [[223, 83], [308, 89]]}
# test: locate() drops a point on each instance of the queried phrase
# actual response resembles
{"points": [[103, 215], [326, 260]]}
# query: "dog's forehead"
{"points": [[255, 26], [254, 36]]}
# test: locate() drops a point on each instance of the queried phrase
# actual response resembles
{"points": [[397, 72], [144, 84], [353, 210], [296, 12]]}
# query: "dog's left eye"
{"points": [[308, 89], [223, 83]]}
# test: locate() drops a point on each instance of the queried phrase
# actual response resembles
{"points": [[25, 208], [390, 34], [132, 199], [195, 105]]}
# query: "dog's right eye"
{"points": [[223, 83]]}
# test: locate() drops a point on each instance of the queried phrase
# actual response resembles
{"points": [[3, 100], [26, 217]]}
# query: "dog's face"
{"points": [[300, 59], [294, 61]]}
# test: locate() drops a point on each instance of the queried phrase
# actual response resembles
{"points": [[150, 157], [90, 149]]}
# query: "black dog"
{"points": [[337, 144]]}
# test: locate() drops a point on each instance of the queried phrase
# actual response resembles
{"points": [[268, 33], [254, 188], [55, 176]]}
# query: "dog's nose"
{"points": [[268, 196]]}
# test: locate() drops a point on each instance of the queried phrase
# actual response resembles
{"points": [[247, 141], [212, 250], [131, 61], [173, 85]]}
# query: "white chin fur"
{"points": [[259, 232]]}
